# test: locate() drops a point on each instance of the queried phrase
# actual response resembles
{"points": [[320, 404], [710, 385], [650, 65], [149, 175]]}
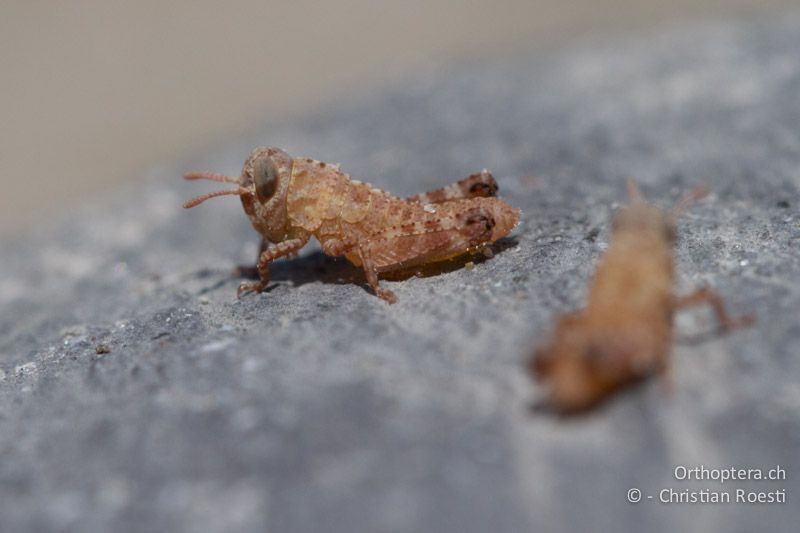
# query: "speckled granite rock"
{"points": [[318, 407]]}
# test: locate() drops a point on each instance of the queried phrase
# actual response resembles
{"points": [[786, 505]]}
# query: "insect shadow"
{"points": [[315, 266], [451, 265], [318, 267], [543, 406]]}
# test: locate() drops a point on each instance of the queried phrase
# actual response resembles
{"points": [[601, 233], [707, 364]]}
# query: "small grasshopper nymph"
{"points": [[290, 199], [624, 333]]}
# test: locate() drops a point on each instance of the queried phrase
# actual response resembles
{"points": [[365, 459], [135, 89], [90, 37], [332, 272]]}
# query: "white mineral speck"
{"points": [[217, 346], [73, 331], [429, 208], [25, 369]]}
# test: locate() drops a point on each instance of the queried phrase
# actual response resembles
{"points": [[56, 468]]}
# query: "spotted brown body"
{"points": [[289, 200], [625, 331]]}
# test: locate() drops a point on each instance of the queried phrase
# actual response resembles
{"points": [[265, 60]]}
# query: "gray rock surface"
{"points": [[318, 407]]}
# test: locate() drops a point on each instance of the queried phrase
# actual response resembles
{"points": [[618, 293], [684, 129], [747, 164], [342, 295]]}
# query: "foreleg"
{"points": [[272, 252], [477, 185]]}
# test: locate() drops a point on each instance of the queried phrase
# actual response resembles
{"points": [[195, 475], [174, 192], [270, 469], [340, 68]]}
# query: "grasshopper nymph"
{"points": [[288, 200]]}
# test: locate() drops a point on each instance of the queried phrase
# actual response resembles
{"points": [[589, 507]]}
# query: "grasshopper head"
{"points": [[262, 187], [645, 219], [266, 175]]}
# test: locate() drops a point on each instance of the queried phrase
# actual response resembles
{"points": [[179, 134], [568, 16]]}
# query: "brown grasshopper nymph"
{"points": [[289, 200], [624, 333]]}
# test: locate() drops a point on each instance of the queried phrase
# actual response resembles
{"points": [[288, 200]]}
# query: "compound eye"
{"points": [[266, 179]]}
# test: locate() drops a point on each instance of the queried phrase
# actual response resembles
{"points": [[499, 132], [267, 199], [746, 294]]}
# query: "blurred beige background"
{"points": [[94, 91]]}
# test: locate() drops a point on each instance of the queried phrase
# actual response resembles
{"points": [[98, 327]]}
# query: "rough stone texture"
{"points": [[318, 407]]}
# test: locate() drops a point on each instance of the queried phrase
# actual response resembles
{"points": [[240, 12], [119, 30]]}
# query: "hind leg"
{"points": [[393, 250], [477, 185], [707, 296]]}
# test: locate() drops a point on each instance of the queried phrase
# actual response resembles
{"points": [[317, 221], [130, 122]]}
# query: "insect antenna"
{"points": [[200, 199], [688, 199], [213, 176]]}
